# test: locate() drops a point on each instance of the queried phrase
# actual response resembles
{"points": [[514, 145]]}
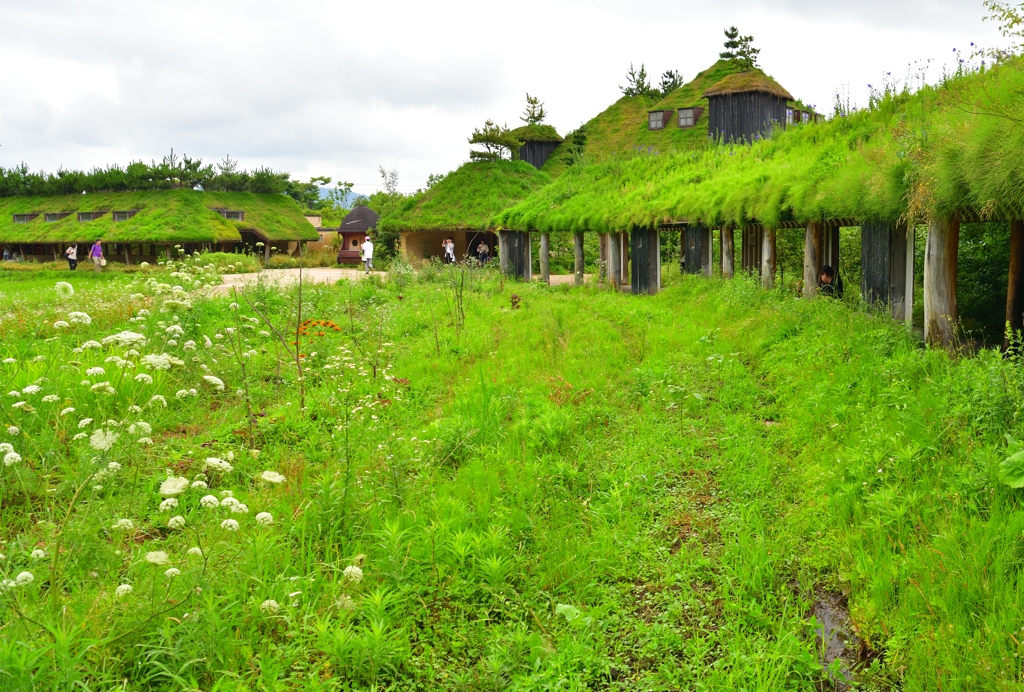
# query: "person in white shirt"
{"points": [[72, 254], [449, 251], [368, 255]]}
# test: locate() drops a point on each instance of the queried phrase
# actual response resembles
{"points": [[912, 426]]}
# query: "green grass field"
{"points": [[477, 484]]}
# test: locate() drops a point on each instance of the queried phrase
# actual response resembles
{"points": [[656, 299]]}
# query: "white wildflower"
{"points": [[172, 573], [272, 477], [102, 440], [9, 361], [156, 557], [200, 485], [181, 394], [143, 441], [168, 504], [12, 458], [218, 465], [141, 427], [189, 345], [93, 372], [123, 590], [38, 554], [84, 422], [64, 289], [6, 447], [226, 493], [79, 318], [176, 522], [24, 578], [173, 486], [51, 398], [68, 410], [229, 525], [91, 344], [124, 525], [229, 502], [80, 436], [353, 574], [264, 518], [209, 502], [269, 607], [174, 330], [60, 324], [214, 382], [161, 361], [144, 378], [103, 387], [195, 552], [125, 339], [239, 508], [13, 430], [158, 399]]}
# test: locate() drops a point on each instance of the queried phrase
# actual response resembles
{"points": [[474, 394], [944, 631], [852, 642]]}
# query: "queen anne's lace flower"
{"points": [[60, 324], [103, 387], [93, 372], [24, 578], [51, 398], [124, 524], [64, 289], [200, 485], [12, 458], [13, 430], [31, 389], [176, 522], [80, 436], [269, 607], [218, 465], [353, 574], [239, 508], [79, 318], [156, 557], [229, 502], [68, 410], [209, 502], [173, 486], [172, 573], [92, 344], [123, 590], [158, 399], [215, 382], [38, 554], [125, 339], [229, 525], [143, 441], [102, 440], [264, 519], [168, 504], [84, 422], [6, 447], [272, 477], [144, 378], [140, 427]]}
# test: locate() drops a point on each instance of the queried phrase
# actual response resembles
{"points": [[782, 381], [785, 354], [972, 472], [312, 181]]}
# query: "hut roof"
{"points": [[468, 197], [361, 218], [160, 216], [749, 80], [536, 133]]}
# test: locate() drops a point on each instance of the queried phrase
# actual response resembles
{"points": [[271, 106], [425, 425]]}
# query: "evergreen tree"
{"points": [[534, 113], [637, 84], [670, 81], [497, 141], [731, 44]]}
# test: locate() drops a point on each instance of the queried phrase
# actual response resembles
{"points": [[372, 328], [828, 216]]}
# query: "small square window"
{"points": [[656, 120], [805, 117], [789, 116], [685, 117]]}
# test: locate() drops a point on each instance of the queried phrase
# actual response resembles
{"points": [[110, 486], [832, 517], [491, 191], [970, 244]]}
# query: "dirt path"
{"points": [[326, 275]]}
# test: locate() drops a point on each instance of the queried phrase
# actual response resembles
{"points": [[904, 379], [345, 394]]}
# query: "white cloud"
{"points": [[340, 88]]}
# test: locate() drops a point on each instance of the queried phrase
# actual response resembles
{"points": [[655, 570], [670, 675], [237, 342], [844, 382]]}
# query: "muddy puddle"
{"points": [[836, 639]]}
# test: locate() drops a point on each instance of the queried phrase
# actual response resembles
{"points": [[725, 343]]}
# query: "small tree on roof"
{"points": [[534, 113], [670, 81], [497, 141], [637, 84], [740, 49]]}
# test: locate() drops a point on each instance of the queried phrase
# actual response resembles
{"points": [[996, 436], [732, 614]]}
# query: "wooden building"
{"points": [[354, 228], [539, 142], [746, 106]]}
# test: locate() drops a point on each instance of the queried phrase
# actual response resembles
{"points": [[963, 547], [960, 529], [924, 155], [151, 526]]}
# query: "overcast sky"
{"points": [[340, 88]]}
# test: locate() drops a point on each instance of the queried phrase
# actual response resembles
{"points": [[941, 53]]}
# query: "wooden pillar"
{"points": [[266, 251], [602, 257], [528, 259], [728, 246], [654, 258], [53, 248], [812, 258], [768, 258], [940, 282], [708, 261], [646, 268], [624, 273], [897, 270], [167, 251], [502, 252], [127, 255], [545, 258], [614, 260], [578, 264], [1015, 286]]}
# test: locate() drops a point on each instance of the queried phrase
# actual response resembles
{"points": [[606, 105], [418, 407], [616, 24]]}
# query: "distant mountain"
{"points": [[350, 198]]}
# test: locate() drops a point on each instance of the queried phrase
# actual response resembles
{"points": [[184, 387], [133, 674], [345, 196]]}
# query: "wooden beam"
{"points": [[708, 263], [545, 257], [940, 282], [897, 271], [614, 260], [812, 258], [768, 258], [1015, 286], [728, 253], [127, 255], [624, 260], [578, 258]]}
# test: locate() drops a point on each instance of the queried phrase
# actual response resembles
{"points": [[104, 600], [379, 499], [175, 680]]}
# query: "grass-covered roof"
{"points": [[953, 148], [748, 80], [177, 216], [467, 198], [536, 133]]}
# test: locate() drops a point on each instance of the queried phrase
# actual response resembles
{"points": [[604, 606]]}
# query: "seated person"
{"points": [[831, 283]]}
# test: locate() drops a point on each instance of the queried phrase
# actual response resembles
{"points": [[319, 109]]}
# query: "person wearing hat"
{"points": [[367, 255]]}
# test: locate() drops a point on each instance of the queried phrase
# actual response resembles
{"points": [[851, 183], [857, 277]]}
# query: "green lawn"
{"points": [[492, 485]]}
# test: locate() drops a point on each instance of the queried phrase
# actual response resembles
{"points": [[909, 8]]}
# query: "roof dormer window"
{"points": [[656, 120], [231, 214], [25, 218], [50, 218], [125, 215]]}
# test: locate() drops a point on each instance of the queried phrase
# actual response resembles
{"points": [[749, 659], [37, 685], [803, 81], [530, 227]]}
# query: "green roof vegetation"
{"points": [[748, 80], [536, 133], [946, 149], [177, 216], [467, 198]]}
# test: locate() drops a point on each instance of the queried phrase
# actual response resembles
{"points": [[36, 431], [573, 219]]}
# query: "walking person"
{"points": [[72, 254], [96, 255], [367, 255], [449, 251], [482, 252]]}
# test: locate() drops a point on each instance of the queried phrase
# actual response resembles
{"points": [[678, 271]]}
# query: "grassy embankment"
{"points": [[586, 490]]}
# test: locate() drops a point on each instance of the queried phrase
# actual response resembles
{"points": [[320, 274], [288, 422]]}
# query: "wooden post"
{"points": [[503, 251], [545, 257], [624, 276], [528, 258], [614, 260], [812, 258], [602, 257], [127, 255], [728, 253], [167, 251], [654, 258], [578, 242], [708, 261], [940, 282], [1015, 286], [53, 247], [768, 258], [897, 270]]}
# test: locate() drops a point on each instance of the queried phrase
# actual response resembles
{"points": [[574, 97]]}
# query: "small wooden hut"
{"points": [[356, 225], [746, 106], [539, 142]]}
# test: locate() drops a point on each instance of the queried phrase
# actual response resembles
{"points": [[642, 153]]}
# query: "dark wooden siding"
{"points": [[518, 245], [875, 244], [693, 251], [536, 153], [745, 116], [644, 260]]}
